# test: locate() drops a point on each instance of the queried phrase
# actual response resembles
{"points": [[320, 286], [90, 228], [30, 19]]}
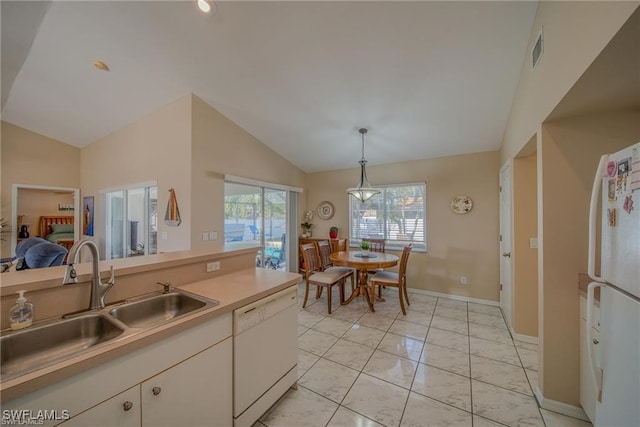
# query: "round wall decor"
{"points": [[461, 204], [325, 210]]}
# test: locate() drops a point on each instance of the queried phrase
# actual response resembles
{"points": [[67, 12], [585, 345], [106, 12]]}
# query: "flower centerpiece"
{"points": [[333, 232], [306, 225], [365, 245]]}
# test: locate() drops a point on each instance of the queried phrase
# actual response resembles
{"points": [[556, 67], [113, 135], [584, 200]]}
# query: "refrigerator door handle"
{"points": [[593, 215], [591, 354]]}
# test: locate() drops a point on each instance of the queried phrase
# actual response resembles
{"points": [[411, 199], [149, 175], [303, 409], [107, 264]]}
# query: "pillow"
{"points": [[45, 255], [62, 228], [24, 245]]}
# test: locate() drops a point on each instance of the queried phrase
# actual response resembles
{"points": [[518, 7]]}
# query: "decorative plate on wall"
{"points": [[461, 204], [325, 210]]}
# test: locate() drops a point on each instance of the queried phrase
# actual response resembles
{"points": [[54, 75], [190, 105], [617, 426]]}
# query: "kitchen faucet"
{"points": [[98, 289]]}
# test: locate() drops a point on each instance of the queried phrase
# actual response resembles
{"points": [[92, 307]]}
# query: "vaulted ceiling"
{"points": [[428, 79]]}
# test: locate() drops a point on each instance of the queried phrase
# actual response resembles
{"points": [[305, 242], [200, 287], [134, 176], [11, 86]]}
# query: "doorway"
{"points": [[506, 272]]}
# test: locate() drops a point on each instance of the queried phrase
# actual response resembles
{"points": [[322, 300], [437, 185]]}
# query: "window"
{"points": [[397, 215], [131, 222]]}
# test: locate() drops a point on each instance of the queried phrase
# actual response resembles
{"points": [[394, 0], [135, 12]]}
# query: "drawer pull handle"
{"points": [[595, 341], [127, 406], [156, 391]]}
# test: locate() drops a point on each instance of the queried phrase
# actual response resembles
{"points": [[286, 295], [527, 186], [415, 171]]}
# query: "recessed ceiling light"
{"points": [[100, 65], [204, 5]]}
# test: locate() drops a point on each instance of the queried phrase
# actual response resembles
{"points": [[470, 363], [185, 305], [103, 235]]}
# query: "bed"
{"points": [[57, 229]]}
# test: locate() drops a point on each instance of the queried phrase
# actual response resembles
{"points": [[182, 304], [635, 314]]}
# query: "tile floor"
{"points": [[446, 363]]}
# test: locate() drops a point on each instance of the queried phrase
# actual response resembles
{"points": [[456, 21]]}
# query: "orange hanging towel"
{"points": [[172, 215]]}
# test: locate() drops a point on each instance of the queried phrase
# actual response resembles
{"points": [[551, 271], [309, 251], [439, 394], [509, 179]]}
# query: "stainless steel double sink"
{"points": [[49, 342]]}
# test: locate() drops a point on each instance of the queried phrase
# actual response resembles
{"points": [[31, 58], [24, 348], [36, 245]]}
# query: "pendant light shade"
{"points": [[363, 191]]}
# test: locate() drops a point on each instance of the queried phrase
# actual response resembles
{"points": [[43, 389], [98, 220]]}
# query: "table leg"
{"points": [[362, 289]]}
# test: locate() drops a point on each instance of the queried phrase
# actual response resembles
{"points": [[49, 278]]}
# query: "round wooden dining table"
{"points": [[363, 264]]}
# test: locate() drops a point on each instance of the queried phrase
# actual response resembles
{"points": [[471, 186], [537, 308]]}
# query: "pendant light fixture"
{"points": [[364, 191]]}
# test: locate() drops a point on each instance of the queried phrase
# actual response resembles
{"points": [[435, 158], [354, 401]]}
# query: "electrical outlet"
{"points": [[205, 236], [213, 266], [463, 280], [213, 235]]}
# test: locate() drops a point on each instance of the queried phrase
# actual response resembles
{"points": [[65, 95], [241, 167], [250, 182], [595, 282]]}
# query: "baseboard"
{"points": [[559, 407], [524, 338], [455, 297]]}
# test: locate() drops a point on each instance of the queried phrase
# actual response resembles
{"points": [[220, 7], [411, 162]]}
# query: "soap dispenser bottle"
{"points": [[21, 314]]}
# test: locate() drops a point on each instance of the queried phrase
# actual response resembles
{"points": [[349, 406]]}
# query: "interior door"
{"points": [[506, 286]]}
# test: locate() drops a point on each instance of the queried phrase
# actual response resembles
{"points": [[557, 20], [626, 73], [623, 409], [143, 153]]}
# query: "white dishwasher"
{"points": [[265, 354]]}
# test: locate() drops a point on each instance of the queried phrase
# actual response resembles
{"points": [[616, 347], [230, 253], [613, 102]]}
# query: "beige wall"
{"points": [[525, 258], [221, 147], [155, 148], [34, 159], [569, 151], [457, 245], [575, 32]]}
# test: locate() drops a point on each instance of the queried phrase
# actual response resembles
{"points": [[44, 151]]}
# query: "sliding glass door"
{"points": [[258, 214]]}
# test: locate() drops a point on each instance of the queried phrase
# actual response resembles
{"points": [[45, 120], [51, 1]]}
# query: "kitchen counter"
{"points": [[232, 290]]}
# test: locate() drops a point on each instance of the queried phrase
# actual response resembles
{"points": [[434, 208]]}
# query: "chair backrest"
{"points": [[402, 273], [324, 250], [339, 245], [311, 259], [377, 245]]}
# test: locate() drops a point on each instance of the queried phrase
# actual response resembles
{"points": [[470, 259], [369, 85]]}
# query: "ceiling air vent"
{"points": [[536, 52]]}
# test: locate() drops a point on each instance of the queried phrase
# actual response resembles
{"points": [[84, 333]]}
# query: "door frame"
{"points": [[506, 236], [14, 209]]}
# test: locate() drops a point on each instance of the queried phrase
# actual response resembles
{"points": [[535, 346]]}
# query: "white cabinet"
{"points": [[122, 410], [196, 392], [588, 390]]}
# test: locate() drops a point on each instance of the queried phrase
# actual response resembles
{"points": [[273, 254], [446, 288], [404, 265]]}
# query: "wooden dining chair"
{"points": [[339, 245], [398, 280], [315, 276], [377, 245], [324, 250]]}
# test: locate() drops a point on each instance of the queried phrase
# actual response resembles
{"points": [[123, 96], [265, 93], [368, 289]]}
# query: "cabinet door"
{"points": [[588, 391], [121, 410], [196, 392]]}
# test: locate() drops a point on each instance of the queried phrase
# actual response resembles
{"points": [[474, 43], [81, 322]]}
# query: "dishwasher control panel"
{"points": [[255, 313]]}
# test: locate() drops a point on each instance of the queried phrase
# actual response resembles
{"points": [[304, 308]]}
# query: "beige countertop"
{"points": [[233, 290]]}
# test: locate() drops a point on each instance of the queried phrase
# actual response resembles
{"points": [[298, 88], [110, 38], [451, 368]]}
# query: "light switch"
{"points": [[205, 236], [533, 243], [213, 235], [163, 235]]}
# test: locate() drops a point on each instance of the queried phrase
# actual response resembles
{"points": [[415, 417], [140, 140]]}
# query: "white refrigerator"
{"points": [[617, 369]]}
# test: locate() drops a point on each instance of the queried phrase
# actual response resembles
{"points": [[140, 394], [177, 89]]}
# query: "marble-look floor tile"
{"points": [[422, 411], [373, 320], [305, 361], [529, 358], [300, 407], [391, 368], [478, 421], [443, 386], [505, 406], [448, 339], [526, 345], [308, 318], [452, 303], [453, 313], [302, 329], [364, 335], [418, 297], [349, 353], [495, 350], [416, 316], [347, 418], [446, 358], [329, 379], [316, 342], [409, 329], [487, 319], [500, 374], [489, 333], [553, 419], [533, 378], [449, 324], [401, 346], [486, 309], [331, 326], [424, 307], [389, 308], [349, 313], [377, 399]]}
